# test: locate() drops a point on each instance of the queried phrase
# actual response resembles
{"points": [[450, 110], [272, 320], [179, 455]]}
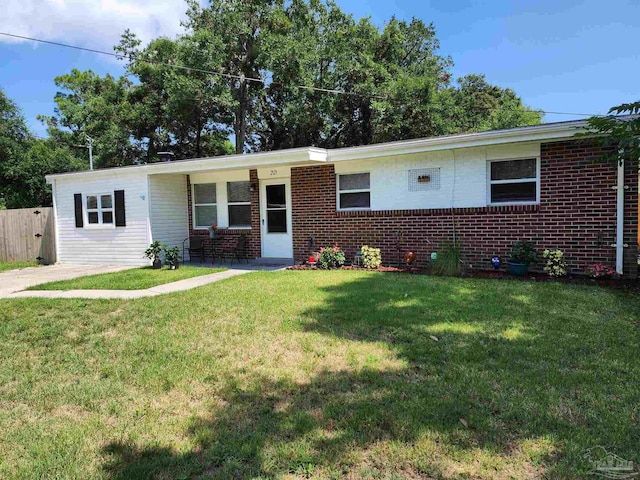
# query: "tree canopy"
{"points": [[621, 132], [25, 160], [274, 74]]}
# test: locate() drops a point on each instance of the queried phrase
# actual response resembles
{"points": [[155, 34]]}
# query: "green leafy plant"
{"points": [[555, 265], [172, 255], [448, 260], [154, 250], [523, 252], [331, 257], [371, 257]]}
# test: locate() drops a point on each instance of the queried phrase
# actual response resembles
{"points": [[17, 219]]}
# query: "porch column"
{"points": [[255, 245]]}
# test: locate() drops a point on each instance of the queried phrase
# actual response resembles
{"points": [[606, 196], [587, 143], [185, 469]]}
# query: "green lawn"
{"points": [[133, 279], [4, 266], [312, 374]]}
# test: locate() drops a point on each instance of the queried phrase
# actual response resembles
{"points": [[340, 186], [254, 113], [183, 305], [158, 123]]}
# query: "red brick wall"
{"points": [[577, 214], [229, 236]]}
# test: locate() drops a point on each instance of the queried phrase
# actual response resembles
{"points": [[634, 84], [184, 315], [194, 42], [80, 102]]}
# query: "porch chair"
{"points": [[195, 246], [241, 250]]}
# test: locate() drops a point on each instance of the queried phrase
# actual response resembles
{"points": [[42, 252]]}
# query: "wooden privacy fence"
{"points": [[27, 235]]}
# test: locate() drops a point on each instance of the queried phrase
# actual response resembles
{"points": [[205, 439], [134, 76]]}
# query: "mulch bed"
{"points": [[625, 284]]}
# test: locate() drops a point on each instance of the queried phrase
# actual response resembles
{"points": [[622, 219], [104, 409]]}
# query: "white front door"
{"points": [[275, 218]]}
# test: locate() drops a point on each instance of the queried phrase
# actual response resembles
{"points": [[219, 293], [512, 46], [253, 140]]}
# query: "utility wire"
{"points": [[121, 56], [242, 77], [238, 77]]}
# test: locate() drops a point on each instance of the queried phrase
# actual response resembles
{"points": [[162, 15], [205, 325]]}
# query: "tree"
{"points": [[25, 160], [236, 29], [276, 74], [96, 106], [621, 132], [181, 110]]}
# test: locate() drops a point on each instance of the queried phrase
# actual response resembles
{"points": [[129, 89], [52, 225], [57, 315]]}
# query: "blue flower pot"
{"points": [[518, 269]]}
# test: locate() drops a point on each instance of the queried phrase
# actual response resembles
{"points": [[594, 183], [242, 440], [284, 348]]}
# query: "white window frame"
{"points": [[99, 210], [360, 190], [237, 227], [513, 180], [194, 205]]}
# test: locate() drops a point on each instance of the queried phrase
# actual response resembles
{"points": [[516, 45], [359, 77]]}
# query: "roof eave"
{"points": [[468, 140], [297, 156]]}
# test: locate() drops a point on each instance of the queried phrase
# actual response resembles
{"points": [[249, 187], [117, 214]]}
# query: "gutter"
{"points": [[620, 187]]}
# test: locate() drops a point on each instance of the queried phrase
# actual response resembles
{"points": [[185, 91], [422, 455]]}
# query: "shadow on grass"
{"points": [[538, 373]]}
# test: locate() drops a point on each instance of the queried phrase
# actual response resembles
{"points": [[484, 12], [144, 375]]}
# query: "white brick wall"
{"points": [[389, 176]]}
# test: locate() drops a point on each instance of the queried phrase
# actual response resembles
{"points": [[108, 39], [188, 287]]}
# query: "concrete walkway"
{"points": [[172, 287], [15, 280]]}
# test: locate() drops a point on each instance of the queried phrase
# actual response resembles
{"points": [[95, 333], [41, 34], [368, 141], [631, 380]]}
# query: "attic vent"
{"points": [[424, 179]]}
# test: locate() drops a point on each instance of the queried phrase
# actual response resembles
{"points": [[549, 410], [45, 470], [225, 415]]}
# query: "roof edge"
{"points": [[542, 132]]}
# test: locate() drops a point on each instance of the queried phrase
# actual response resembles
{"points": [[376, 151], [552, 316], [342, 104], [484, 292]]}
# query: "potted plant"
{"points": [[522, 255], [153, 252], [172, 257]]}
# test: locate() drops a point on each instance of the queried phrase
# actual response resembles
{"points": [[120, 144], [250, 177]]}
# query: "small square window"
{"points": [[513, 181], [354, 191], [99, 209]]}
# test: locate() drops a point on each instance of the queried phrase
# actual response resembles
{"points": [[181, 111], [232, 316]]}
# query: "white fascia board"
{"points": [[499, 137], [294, 156]]}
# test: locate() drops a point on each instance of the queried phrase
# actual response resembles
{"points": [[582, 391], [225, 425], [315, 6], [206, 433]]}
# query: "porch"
{"points": [[229, 216]]}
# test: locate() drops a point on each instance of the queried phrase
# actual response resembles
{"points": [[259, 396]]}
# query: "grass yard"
{"points": [[341, 374], [133, 279], [4, 266]]}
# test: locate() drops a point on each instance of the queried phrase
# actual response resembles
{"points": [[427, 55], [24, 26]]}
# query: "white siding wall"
{"points": [[168, 206], [389, 176], [108, 245]]}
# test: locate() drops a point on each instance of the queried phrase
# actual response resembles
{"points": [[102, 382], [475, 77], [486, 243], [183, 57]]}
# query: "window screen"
{"points": [[205, 208], [354, 191], [514, 181], [239, 204]]}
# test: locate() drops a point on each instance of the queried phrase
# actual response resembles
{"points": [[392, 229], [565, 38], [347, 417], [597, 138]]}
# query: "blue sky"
{"points": [[561, 56]]}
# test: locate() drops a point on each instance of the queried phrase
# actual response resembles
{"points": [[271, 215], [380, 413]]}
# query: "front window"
{"points": [[513, 181], [354, 191], [205, 208], [99, 209], [239, 204]]}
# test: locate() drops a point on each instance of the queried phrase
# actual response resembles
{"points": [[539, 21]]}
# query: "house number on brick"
{"points": [[273, 173]]}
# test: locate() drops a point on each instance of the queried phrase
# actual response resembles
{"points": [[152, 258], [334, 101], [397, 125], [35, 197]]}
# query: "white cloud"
{"points": [[91, 23]]}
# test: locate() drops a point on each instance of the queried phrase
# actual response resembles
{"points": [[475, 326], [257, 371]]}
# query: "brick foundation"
{"points": [[577, 214]]}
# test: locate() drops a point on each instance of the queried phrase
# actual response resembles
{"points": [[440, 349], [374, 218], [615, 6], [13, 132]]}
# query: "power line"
{"points": [[241, 77], [120, 56]]}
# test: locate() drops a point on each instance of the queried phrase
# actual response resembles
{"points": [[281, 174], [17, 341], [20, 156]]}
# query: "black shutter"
{"points": [[77, 199], [121, 218]]}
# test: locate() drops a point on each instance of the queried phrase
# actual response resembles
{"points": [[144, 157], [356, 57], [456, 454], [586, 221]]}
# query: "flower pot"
{"points": [[518, 269], [157, 264], [174, 265]]}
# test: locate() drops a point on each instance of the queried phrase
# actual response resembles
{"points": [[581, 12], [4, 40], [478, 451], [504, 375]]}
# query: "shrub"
{"points": [[448, 261], [555, 265], [599, 270], [331, 257], [371, 257], [171, 254], [523, 252], [154, 250]]}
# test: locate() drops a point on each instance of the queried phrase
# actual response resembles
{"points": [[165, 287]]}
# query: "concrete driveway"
{"points": [[15, 280]]}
